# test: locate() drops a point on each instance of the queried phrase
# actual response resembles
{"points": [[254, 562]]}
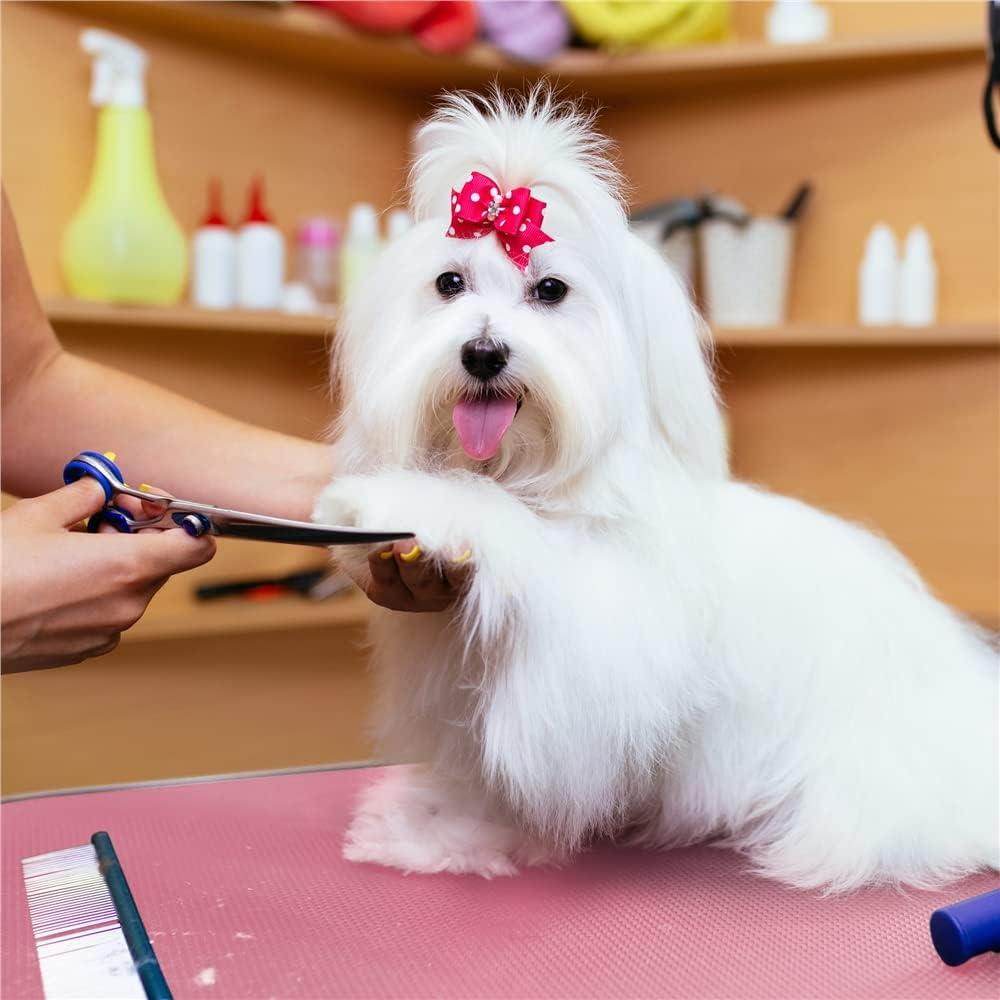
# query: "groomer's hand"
{"points": [[402, 578], [68, 595]]}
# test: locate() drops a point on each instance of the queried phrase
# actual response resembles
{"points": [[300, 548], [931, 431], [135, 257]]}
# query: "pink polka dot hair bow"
{"points": [[480, 208]]}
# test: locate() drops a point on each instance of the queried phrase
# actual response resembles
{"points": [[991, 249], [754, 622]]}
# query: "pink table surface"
{"points": [[244, 876]]}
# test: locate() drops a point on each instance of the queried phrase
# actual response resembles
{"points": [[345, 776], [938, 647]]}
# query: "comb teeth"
{"points": [[82, 952]]}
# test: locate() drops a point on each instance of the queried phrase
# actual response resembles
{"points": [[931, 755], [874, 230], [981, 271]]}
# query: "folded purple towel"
{"points": [[528, 30]]}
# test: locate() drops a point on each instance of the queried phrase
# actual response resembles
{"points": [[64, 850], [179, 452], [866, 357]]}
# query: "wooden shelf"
{"points": [[851, 335], [74, 313], [309, 38], [67, 313], [175, 613]]}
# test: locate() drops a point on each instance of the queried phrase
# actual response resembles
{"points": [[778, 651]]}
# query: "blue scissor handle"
{"points": [[118, 518], [76, 469], [195, 525]]}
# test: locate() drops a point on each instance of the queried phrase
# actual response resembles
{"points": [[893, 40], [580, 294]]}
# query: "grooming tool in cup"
{"points": [[199, 519], [90, 939]]}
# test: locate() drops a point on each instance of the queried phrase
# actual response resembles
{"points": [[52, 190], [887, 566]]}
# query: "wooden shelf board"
{"points": [[174, 613], [852, 335], [294, 34], [72, 312]]}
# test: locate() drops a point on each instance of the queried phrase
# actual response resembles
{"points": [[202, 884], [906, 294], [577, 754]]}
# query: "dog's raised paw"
{"points": [[340, 503]]}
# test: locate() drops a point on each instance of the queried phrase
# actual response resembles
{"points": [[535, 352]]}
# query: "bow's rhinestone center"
{"points": [[493, 209]]}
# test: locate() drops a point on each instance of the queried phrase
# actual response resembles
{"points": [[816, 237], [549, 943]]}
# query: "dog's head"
{"points": [[529, 362]]}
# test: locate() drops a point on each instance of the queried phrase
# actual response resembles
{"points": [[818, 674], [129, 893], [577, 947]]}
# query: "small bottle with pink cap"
{"points": [[317, 256]]}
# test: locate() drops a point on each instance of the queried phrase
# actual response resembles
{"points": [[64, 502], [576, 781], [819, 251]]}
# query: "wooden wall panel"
{"points": [[277, 382], [902, 439], [214, 705], [906, 442]]}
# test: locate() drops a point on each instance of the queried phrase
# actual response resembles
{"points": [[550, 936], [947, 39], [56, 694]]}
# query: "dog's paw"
{"points": [[408, 822], [397, 499], [341, 503]]}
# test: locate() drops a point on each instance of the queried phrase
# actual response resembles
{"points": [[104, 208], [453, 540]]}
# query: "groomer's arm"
{"points": [[55, 405]]}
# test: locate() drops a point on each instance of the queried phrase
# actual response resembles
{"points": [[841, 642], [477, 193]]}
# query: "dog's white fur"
{"points": [[647, 649]]}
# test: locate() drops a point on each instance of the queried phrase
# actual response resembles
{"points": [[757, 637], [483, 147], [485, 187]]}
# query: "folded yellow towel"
{"points": [[652, 23]]}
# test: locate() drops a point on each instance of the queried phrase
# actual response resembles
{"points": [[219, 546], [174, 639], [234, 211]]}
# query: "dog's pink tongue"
{"points": [[482, 423]]}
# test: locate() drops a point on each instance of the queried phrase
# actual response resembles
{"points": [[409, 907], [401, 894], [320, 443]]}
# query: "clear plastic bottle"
{"points": [[318, 258], [361, 245]]}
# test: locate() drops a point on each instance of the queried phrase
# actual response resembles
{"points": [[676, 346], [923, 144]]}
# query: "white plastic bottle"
{"points": [[918, 280], [398, 222], [878, 278], [260, 256], [360, 246], [797, 22], [213, 257]]}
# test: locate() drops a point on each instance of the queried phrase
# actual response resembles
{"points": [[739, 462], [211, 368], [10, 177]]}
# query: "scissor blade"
{"points": [[305, 534]]}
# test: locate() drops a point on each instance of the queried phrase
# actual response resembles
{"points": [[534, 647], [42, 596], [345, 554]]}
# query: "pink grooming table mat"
{"points": [[244, 876]]}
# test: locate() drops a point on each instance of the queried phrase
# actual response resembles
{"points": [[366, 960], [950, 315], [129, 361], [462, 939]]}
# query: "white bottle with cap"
{"points": [[878, 278], [260, 256], [797, 22], [360, 247], [213, 257], [397, 223], [918, 280]]}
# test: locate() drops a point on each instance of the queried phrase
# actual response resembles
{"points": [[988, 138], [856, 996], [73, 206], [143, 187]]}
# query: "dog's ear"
{"points": [[673, 344]]}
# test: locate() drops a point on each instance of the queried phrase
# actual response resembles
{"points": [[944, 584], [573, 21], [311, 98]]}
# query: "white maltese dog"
{"points": [[646, 649]]}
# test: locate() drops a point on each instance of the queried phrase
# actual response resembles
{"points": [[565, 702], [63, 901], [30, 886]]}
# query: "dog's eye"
{"points": [[550, 290], [450, 283]]}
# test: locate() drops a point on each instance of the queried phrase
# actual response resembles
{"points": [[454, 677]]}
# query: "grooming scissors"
{"points": [[199, 519]]}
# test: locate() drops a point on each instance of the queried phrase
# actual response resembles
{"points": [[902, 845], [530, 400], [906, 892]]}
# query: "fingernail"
{"points": [[464, 557], [388, 554], [110, 456], [413, 555]]}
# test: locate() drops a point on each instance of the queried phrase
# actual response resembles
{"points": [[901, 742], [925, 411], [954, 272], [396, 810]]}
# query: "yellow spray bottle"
{"points": [[123, 244]]}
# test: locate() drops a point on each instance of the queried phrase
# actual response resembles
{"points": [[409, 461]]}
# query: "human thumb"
{"points": [[71, 504]]}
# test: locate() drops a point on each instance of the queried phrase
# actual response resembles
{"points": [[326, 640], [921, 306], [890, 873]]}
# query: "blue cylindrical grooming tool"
{"points": [[146, 964], [966, 929]]}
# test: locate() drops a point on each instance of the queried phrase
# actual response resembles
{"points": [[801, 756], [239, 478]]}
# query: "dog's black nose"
{"points": [[483, 358]]}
